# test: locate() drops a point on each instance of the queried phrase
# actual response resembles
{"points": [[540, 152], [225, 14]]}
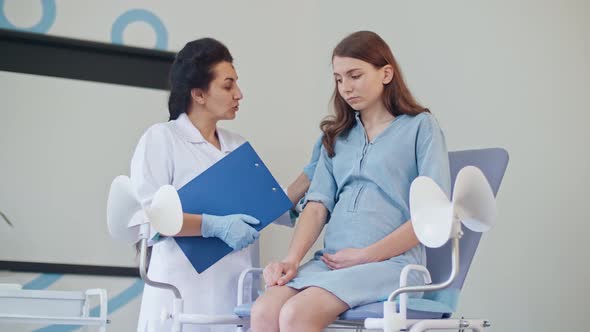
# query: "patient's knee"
{"points": [[290, 316], [263, 314]]}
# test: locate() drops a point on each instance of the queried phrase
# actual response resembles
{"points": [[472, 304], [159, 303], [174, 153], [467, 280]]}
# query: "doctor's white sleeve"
{"points": [[151, 166]]}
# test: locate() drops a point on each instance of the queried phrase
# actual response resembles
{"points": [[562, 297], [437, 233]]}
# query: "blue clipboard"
{"points": [[238, 183]]}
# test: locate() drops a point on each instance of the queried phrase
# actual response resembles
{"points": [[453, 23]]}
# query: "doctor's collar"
{"points": [[192, 134], [188, 130]]}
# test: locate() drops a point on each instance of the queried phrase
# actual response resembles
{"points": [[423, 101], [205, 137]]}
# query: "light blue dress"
{"points": [[365, 187]]}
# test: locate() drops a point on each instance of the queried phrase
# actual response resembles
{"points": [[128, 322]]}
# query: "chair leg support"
{"points": [[476, 325]]}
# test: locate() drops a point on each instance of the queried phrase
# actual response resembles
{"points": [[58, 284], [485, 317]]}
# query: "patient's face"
{"points": [[222, 100], [358, 82]]}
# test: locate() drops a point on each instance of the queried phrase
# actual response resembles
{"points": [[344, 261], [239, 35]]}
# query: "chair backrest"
{"points": [[493, 163]]}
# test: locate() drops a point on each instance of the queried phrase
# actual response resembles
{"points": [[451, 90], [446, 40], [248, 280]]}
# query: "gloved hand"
{"points": [[233, 229], [309, 169]]}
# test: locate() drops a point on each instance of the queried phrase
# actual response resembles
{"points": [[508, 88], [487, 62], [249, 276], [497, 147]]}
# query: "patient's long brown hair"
{"points": [[369, 47]]}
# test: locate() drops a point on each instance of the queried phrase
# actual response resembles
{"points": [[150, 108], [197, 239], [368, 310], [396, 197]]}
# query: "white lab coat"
{"points": [[174, 153]]}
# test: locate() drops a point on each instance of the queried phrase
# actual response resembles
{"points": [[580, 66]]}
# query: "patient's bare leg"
{"points": [[311, 310], [266, 309]]}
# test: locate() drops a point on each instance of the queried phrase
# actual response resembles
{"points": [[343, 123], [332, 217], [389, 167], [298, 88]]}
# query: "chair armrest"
{"points": [[403, 279], [243, 275], [403, 282]]}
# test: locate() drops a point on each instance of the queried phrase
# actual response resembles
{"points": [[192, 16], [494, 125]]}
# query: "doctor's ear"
{"points": [[198, 96], [387, 74]]}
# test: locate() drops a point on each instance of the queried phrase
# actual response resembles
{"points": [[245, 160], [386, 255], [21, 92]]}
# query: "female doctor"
{"points": [[203, 91]]}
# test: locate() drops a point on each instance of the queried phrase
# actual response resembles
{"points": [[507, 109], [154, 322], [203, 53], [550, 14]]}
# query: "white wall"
{"points": [[496, 73]]}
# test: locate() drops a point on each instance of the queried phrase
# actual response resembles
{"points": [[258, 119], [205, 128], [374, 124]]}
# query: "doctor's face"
{"points": [[222, 100]]}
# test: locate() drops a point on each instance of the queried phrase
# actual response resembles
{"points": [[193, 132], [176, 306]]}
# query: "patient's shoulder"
{"points": [[425, 121]]}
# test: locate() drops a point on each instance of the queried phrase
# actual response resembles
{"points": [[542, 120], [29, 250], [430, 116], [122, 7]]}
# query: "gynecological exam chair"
{"points": [[438, 222]]}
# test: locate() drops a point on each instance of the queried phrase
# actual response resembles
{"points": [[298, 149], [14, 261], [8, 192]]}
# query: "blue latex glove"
{"points": [[309, 169], [233, 229]]}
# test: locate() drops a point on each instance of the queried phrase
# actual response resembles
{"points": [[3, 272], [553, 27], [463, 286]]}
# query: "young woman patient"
{"points": [[379, 140]]}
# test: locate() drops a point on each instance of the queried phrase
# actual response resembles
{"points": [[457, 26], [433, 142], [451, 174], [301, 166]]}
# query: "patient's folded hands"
{"points": [[279, 273], [346, 258]]}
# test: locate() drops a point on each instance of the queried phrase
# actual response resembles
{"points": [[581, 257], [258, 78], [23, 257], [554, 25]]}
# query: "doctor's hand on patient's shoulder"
{"points": [[346, 258], [233, 229], [279, 273]]}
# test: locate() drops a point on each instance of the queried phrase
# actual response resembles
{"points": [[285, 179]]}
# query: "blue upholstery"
{"points": [[375, 310]]}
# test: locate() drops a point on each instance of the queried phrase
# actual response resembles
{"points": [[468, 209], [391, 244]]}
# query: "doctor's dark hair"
{"points": [[193, 69]]}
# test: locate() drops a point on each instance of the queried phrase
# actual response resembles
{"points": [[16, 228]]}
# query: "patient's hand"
{"points": [[279, 273], [346, 258]]}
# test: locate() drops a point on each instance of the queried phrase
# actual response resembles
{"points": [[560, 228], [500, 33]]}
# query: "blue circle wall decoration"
{"points": [[44, 24], [140, 15]]}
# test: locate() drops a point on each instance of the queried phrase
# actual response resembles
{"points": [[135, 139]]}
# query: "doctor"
{"points": [[203, 91]]}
